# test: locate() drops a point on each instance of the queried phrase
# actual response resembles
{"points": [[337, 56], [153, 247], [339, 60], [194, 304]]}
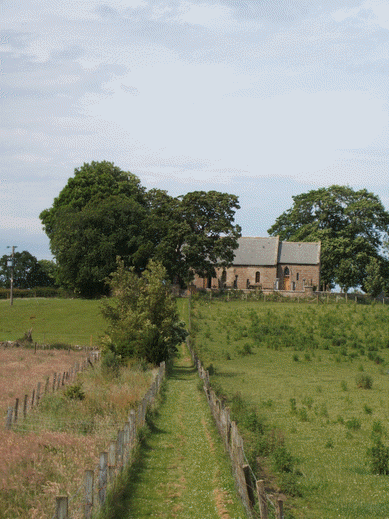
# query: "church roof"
{"points": [[257, 251], [302, 253], [270, 251]]}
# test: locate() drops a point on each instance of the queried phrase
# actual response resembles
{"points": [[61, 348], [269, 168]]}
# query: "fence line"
{"points": [[250, 489], [14, 414], [111, 463]]}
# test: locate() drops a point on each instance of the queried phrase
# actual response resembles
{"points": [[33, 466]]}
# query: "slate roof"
{"points": [[302, 253], [257, 251], [270, 251]]}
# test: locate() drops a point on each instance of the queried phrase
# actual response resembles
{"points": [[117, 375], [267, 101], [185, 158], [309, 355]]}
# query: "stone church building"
{"points": [[269, 264]]}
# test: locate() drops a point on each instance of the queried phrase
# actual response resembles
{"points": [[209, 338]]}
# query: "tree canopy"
{"points": [[352, 227], [28, 271], [104, 212], [98, 215], [195, 232]]}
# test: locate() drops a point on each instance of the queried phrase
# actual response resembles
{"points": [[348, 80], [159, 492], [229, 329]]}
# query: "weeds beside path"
{"points": [[182, 471]]}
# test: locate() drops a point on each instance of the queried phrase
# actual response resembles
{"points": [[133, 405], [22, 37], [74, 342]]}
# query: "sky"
{"points": [[262, 99]]}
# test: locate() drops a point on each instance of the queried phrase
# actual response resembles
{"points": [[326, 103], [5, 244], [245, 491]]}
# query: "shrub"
{"points": [[211, 369], [75, 392], [282, 459], [303, 414], [378, 456], [367, 409], [378, 429], [110, 364], [364, 381], [353, 424]]}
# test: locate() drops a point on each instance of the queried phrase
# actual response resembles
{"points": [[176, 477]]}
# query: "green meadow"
{"points": [[69, 321], [301, 371]]}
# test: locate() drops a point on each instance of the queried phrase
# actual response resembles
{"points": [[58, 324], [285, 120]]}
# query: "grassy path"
{"points": [[183, 472]]}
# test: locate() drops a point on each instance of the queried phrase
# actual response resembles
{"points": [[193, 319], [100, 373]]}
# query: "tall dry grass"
{"points": [[21, 369], [48, 452]]}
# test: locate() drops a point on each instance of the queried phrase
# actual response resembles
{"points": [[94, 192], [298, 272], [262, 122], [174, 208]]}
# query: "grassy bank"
{"points": [[298, 366]]}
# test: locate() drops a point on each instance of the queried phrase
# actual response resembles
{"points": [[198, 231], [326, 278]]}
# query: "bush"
{"points": [[75, 392], [378, 456], [364, 381], [353, 424], [110, 364], [282, 459]]}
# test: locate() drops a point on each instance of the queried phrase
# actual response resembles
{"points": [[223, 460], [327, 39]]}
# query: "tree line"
{"points": [[104, 212]]}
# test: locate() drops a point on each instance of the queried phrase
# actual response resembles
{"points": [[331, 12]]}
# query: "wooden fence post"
{"points": [[61, 509], [25, 406], [280, 509], [16, 410], [132, 422], [33, 398], [54, 379], [47, 384], [262, 499], [103, 477], [250, 490], [111, 461], [38, 393], [126, 441], [88, 503], [119, 450], [8, 422]]}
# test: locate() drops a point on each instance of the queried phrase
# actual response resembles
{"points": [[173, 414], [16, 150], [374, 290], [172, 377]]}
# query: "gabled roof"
{"points": [[303, 253], [257, 251], [270, 251]]}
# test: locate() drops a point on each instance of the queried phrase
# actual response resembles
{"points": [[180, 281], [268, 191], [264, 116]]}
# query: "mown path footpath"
{"points": [[184, 472]]}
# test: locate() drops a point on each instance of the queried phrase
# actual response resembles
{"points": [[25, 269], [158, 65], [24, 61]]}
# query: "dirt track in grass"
{"points": [[184, 471]]}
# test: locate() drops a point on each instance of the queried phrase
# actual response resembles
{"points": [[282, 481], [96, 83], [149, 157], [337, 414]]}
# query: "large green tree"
{"points": [[352, 226], [98, 215], [142, 315], [194, 233]]}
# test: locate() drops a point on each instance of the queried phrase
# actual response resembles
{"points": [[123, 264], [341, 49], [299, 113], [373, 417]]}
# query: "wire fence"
{"points": [[91, 495], [251, 490]]}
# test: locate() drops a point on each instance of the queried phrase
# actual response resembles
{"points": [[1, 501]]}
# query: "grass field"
{"points": [[297, 365], [72, 321]]}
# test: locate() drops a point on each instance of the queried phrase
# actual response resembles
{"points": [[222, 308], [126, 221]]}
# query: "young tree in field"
{"points": [[351, 225], [142, 315]]}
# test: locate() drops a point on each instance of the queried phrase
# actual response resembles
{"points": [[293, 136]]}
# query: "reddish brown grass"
{"points": [[21, 369], [37, 465]]}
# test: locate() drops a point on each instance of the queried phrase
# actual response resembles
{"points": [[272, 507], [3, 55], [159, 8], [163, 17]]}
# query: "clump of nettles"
{"points": [[75, 392]]}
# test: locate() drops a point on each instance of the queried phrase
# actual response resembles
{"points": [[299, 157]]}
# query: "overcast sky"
{"points": [[261, 98]]}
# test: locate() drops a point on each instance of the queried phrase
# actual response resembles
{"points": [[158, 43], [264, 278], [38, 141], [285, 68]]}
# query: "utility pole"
{"points": [[11, 264]]}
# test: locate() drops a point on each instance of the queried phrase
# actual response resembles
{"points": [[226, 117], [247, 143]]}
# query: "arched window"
{"points": [[286, 271], [257, 277], [224, 276]]}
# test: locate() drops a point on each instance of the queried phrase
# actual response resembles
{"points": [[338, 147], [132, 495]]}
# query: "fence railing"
{"points": [[111, 462], [17, 413], [250, 489]]}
